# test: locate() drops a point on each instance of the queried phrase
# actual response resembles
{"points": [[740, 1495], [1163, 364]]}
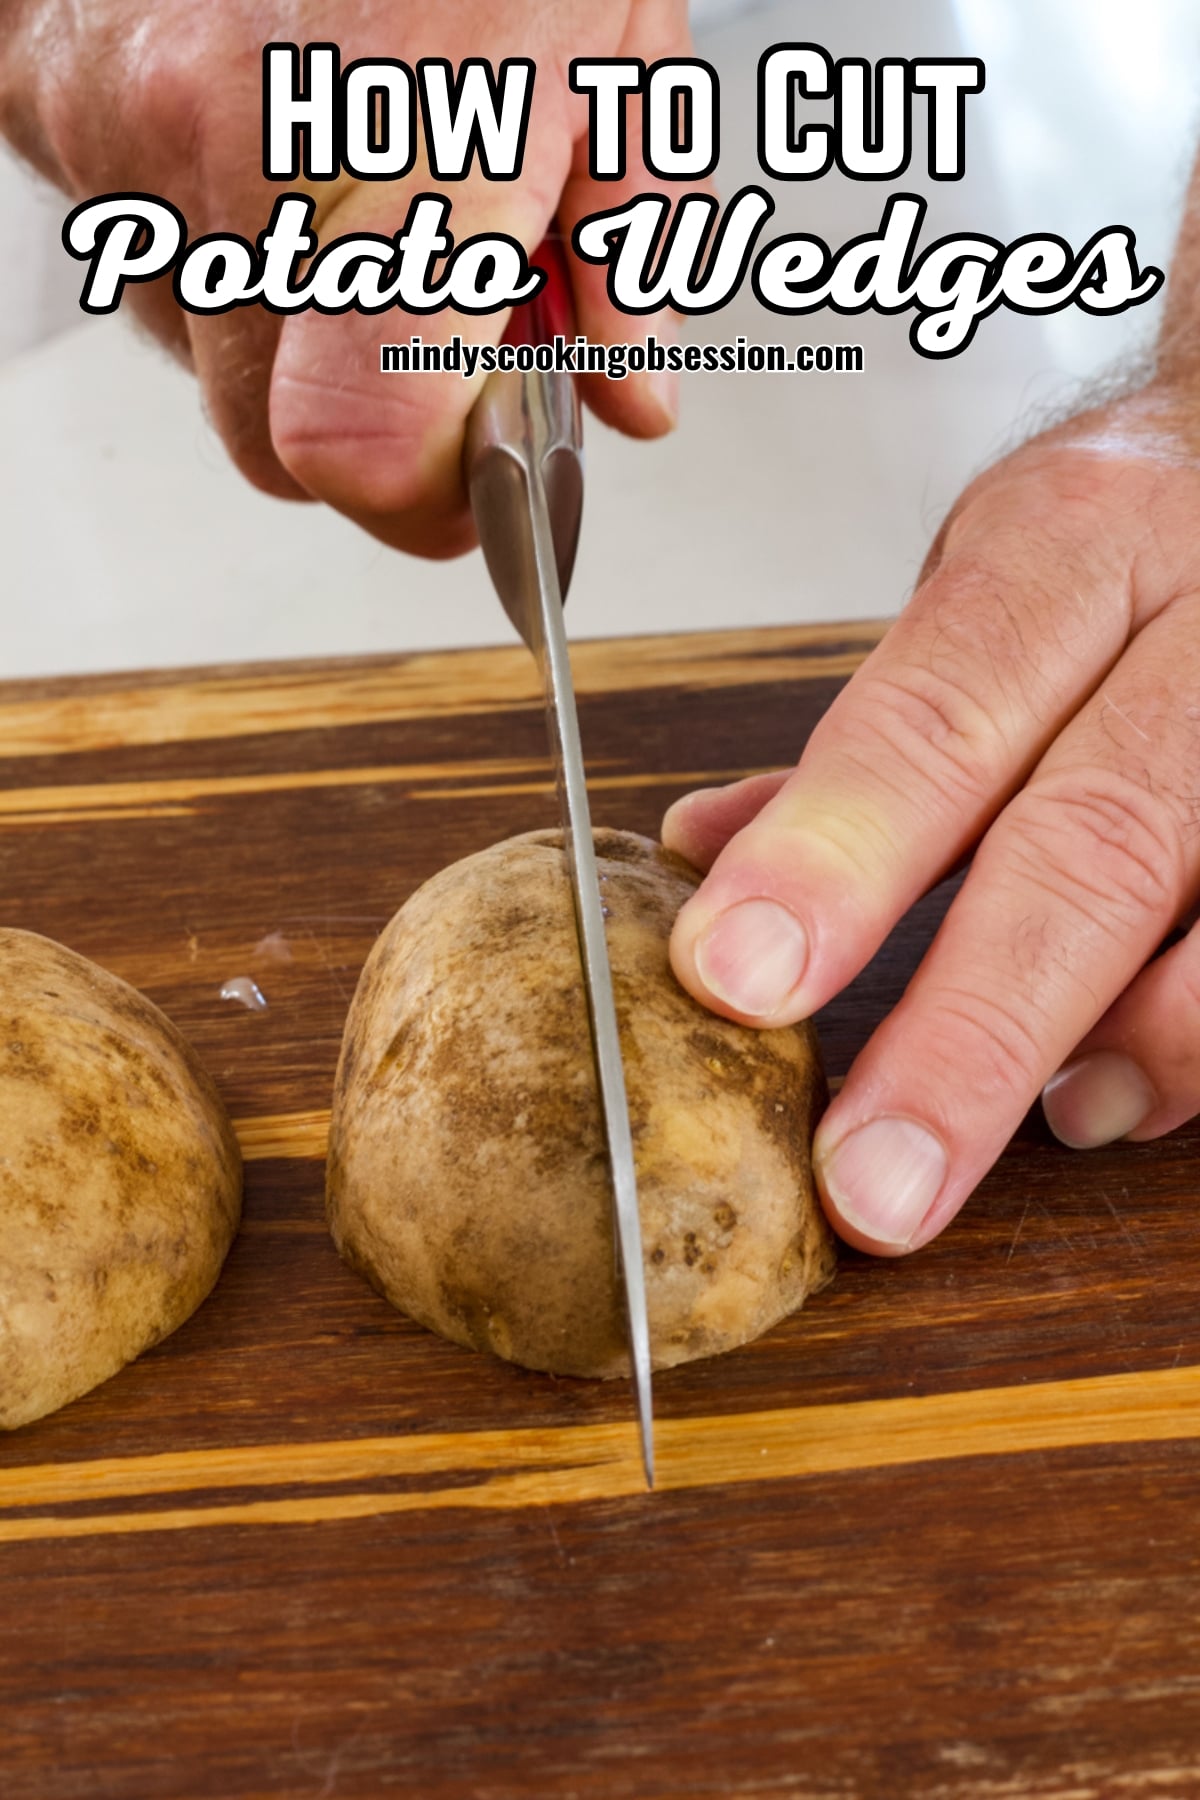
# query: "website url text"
{"points": [[579, 356]]}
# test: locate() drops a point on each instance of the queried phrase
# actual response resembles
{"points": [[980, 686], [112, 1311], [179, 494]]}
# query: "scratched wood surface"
{"points": [[937, 1536]]}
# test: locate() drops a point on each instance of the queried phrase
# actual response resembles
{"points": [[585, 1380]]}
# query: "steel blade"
{"points": [[550, 649]]}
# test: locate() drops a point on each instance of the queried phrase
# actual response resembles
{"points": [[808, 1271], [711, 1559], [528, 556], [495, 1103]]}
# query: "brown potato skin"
{"points": [[120, 1177], [467, 1173]]}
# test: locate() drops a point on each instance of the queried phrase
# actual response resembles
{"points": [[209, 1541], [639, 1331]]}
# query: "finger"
{"points": [[698, 826], [643, 404], [1137, 1075], [234, 356], [388, 452], [939, 727], [231, 354], [167, 114], [1068, 895]]}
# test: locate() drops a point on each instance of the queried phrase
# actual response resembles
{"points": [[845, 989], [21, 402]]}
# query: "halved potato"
{"points": [[468, 1175], [120, 1177]]}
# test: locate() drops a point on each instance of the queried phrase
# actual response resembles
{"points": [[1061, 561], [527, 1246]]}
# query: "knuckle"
{"points": [[1045, 500], [991, 1040], [1107, 846], [930, 725], [165, 80], [1012, 614], [1030, 574], [158, 91]]}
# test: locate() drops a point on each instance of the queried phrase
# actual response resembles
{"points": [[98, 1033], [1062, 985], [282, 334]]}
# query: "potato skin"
{"points": [[120, 1177], [467, 1174]]}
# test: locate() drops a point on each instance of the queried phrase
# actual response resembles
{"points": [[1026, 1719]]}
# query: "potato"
{"points": [[120, 1177], [468, 1175]]}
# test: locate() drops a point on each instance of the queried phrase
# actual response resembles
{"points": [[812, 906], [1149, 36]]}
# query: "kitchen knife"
{"points": [[524, 472]]}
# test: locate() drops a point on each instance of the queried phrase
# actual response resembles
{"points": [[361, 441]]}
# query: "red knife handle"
{"points": [[551, 313]]}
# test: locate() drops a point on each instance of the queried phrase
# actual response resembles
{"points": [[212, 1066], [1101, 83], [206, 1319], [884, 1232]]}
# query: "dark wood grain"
{"points": [[996, 1594]]}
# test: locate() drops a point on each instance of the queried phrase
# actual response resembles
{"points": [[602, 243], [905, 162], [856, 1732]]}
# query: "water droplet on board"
{"points": [[247, 993], [273, 948]]}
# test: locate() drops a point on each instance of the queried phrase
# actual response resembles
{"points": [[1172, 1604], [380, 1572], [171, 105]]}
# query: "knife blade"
{"points": [[524, 473]]}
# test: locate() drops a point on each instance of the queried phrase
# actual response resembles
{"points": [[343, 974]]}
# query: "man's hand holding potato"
{"points": [[1038, 702]]}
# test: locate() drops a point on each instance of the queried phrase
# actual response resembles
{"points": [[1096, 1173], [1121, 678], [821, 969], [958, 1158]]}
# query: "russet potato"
{"points": [[120, 1178], [467, 1174]]}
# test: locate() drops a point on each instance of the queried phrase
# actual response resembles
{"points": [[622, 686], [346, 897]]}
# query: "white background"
{"points": [[128, 540]]}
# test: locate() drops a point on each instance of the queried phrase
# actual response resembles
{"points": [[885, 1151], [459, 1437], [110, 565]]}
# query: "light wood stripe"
{"points": [[579, 1464], [178, 797], [283, 1136], [90, 815], [654, 778], [245, 702], [116, 797], [301, 1136]]}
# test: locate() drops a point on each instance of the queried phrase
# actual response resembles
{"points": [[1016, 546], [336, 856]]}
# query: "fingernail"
{"points": [[1097, 1099], [752, 957], [679, 809], [884, 1177]]}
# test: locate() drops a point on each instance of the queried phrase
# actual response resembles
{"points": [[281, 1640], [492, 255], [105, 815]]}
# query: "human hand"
{"points": [[164, 97], [1039, 700]]}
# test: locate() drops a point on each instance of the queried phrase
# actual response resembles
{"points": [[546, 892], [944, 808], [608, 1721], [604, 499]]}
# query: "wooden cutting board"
{"points": [[935, 1536]]}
